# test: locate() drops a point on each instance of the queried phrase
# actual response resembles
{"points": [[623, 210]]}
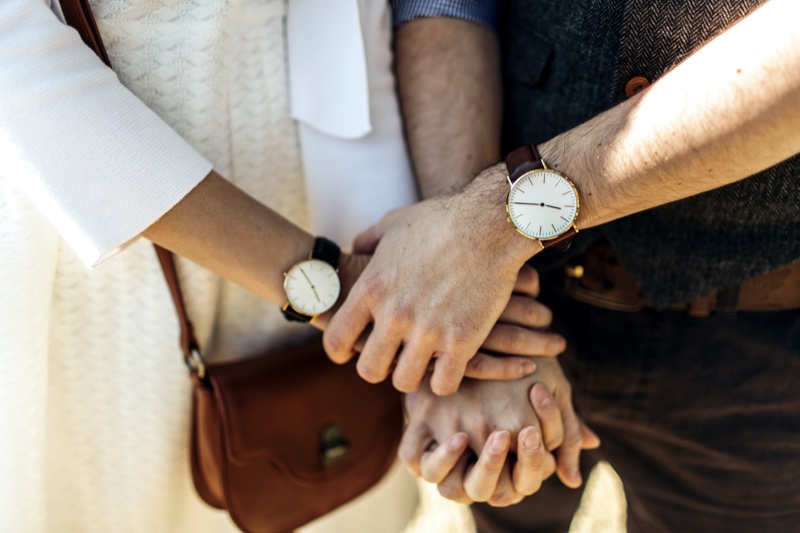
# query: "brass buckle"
{"points": [[195, 362]]}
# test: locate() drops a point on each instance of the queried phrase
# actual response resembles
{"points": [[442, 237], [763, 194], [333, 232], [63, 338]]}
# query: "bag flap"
{"points": [[275, 407]]}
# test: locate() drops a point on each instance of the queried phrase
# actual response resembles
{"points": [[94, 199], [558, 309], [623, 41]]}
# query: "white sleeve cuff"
{"points": [[96, 161]]}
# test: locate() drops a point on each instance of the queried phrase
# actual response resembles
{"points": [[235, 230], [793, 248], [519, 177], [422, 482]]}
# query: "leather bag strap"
{"points": [[78, 14]]}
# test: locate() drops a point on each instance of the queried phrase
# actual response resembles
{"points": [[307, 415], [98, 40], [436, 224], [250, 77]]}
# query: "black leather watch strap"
{"points": [[326, 250], [291, 315]]}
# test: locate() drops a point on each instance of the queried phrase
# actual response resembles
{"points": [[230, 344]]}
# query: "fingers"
{"points": [[485, 366], [436, 463], [504, 493], [562, 433], [549, 416], [481, 480], [568, 454], [448, 371], [516, 340], [377, 357], [526, 311], [590, 439], [411, 369], [344, 330], [534, 464], [527, 281], [416, 438], [367, 241], [452, 487]]}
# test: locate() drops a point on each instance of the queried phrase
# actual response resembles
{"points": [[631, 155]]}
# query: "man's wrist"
{"points": [[491, 188]]}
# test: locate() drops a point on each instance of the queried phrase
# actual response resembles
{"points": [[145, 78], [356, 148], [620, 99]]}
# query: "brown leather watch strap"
{"points": [[562, 241], [523, 160]]}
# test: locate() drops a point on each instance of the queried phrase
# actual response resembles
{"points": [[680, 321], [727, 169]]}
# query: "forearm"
{"points": [[223, 229], [727, 112], [452, 119]]}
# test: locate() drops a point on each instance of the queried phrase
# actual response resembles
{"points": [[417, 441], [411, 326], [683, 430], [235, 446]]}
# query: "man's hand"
{"points": [[517, 336], [441, 275], [520, 333]]}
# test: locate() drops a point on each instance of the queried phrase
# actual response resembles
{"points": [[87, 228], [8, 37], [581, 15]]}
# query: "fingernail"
{"points": [[500, 442], [576, 475], [528, 367], [543, 397], [531, 439], [457, 441]]}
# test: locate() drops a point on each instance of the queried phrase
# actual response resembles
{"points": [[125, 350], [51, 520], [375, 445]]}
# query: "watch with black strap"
{"points": [[542, 203], [312, 285]]}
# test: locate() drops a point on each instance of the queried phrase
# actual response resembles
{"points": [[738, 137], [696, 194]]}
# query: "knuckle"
{"points": [[533, 313], [532, 487], [404, 383], [502, 498], [457, 335], [529, 279], [407, 452], [544, 316], [402, 315], [452, 492], [514, 339], [535, 282], [334, 344], [477, 366], [369, 372], [372, 288], [565, 394], [572, 439], [428, 473], [537, 460], [477, 495]]}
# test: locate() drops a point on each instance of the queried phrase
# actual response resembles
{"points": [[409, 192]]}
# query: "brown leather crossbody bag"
{"points": [[279, 438]]}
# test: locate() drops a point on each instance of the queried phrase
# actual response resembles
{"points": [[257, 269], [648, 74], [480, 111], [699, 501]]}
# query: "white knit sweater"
{"points": [[93, 394]]}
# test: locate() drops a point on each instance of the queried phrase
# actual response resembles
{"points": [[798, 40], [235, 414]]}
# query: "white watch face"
{"points": [[312, 286], [542, 204]]}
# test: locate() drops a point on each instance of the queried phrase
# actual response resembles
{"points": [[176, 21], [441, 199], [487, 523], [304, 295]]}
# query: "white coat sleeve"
{"points": [[95, 160]]}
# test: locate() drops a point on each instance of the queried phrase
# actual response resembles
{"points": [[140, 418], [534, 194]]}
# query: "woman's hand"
{"points": [[519, 432]]}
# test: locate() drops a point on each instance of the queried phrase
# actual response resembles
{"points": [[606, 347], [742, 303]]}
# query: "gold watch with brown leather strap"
{"points": [[542, 203]]}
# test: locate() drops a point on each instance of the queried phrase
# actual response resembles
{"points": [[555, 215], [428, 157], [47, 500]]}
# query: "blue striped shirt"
{"points": [[481, 11]]}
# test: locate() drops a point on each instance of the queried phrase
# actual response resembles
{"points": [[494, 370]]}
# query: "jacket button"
{"points": [[635, 85]]}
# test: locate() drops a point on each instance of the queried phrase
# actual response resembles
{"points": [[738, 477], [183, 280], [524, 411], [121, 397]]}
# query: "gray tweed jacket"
{"points": [[568, 60]]}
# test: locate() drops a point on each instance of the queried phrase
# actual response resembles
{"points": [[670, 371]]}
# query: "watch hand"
{"points": [[312, 285], [541, 204], [307, 278]]}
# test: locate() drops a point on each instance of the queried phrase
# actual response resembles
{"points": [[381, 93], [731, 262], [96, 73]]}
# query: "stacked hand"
{"points": [[430, 295], [455, 441], [517, 333]]}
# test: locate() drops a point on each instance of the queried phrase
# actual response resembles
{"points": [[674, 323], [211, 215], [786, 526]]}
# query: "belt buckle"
{"points": [[579, 292]]}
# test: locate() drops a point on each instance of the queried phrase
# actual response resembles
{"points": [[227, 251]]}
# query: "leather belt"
{"points": [[599, 278]]}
